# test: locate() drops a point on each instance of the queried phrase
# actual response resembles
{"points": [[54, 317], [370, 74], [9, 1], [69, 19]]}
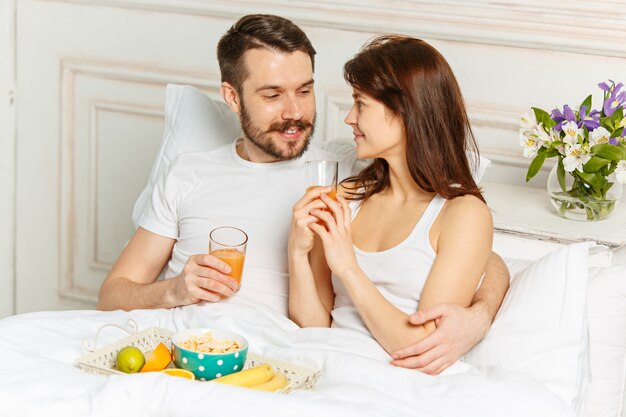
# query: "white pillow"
{"points": [[606, 315], [540, 329], [195, 122]]}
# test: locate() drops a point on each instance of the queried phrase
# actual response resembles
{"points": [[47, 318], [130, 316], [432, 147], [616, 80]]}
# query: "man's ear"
{"points": [[231, 97]]}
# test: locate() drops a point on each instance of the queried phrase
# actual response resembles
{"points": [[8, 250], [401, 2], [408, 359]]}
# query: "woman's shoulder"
{"points": [[466, 207]]}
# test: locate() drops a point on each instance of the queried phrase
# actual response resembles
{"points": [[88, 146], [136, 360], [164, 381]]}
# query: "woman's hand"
{"points": [[301, 237], [336, 235]]}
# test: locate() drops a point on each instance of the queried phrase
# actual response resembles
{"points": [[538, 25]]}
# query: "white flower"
{"points": [[533, 139], [599, 135], [530, 144], [528, 121], [530, 152], [542, 135], [554, 135], [577, 156], [620, 172], [571, 131]]}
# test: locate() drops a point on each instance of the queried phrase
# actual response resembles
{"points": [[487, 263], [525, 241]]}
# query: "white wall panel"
{"points": [[112, 126], [7, 157], [98, 84], [564, 25], [110, 204]]}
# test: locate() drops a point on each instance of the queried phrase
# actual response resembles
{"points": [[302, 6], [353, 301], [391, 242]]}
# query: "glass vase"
{"points": [[578, 201]]}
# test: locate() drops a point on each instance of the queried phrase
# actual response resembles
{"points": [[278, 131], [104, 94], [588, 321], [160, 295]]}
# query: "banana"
{"points": [[278, 381], [249, 377]]}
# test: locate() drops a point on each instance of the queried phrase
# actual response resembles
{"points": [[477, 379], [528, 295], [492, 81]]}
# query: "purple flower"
{"points": [[610, 86], [558, 117], [568, 115], [614, 97], [591, 120], [613, 141], [613, 102]]}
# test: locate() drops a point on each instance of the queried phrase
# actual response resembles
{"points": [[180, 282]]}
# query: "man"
{"points": [[266, 63]]}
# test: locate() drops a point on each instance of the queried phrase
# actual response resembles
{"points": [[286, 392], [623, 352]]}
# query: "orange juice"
{"points": [[234, 258], [332, 193]]}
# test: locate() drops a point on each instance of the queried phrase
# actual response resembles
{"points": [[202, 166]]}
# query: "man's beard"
{"points": [[263, 139]]}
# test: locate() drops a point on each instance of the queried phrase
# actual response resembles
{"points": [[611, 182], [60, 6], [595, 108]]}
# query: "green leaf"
{"points": [[607, 123], [617, 132], [611, 167], [560, 174], [597, 182], [552, 152], [582, 192], [585, 135], [595, 164], [587, 104], [536, 164], [602, 182], [611, 152], [544, 118]]}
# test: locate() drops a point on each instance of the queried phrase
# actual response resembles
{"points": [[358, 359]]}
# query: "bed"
{"points": [[40, 376], [557, 346]]}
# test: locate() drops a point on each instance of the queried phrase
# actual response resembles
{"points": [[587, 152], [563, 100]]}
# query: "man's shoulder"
{"points": [[192, 158]]}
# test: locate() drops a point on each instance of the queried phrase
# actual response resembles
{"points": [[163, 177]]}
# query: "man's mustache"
{"points": [[281, 127]]}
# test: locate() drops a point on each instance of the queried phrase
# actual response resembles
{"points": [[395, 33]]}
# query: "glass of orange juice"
{"points": [[229, 244], [322, 174]]}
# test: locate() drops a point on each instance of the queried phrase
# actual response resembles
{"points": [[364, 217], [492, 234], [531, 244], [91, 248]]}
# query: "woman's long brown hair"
{"points": [[414, 82]]}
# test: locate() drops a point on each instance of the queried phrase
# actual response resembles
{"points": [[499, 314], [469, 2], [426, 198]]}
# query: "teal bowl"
{"points": [[208, 366]]}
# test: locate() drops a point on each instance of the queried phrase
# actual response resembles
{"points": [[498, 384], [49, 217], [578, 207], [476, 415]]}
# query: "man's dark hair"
{"points": [[253, 32]]}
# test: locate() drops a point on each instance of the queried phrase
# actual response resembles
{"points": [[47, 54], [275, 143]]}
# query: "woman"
{"points": [[417, 231]]}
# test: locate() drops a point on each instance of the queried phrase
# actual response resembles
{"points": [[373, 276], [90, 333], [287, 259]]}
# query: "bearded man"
{"points": [[266, 64]]}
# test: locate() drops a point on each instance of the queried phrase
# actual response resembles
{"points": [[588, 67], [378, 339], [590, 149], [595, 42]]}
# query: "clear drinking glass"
{"points": [[229, 244], [322, 174]]}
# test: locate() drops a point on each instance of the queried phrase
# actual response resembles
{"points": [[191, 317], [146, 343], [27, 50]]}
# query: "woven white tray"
{"points": [[102, 361]]}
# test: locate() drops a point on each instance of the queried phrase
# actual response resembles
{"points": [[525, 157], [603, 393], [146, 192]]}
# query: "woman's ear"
{"points": [[231, 97]]}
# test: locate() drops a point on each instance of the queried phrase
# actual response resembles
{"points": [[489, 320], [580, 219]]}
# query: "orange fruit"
{"points": [[158, 359], [183, 373]]}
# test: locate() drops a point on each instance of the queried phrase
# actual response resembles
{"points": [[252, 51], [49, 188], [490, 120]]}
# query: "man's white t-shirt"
{"points": [[205, 190]]}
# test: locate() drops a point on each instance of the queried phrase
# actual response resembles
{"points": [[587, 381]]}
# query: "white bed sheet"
{"points": [[39, 375]]}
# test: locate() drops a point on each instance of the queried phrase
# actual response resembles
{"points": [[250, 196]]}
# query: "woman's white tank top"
{"points": [[399, 273]]}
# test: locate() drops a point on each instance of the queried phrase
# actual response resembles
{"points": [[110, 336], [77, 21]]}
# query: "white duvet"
{"points": [[39, 376]]}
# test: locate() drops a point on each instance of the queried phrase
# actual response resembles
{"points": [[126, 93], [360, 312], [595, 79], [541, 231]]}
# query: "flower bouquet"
{"points": [[591, 149]]}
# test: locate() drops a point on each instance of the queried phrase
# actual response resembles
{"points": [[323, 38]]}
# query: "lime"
{"points": [[130, 360]]}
